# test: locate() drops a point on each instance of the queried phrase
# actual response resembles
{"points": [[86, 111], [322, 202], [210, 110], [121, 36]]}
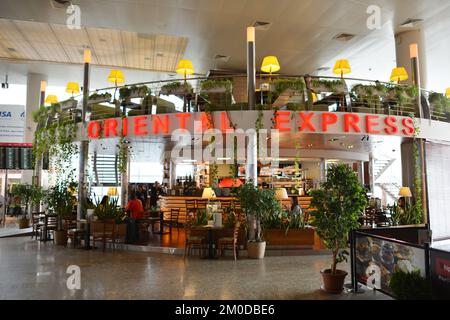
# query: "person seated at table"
{"points": [[105, 200], [135, 207], [296, 209]]}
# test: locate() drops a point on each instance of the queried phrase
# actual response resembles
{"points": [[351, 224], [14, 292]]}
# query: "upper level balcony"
{"points": [[280, 92]]}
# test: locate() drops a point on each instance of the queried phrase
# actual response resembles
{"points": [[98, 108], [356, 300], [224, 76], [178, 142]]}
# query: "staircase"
{"points": [[390, 188], [105, 170], [380, 166]]}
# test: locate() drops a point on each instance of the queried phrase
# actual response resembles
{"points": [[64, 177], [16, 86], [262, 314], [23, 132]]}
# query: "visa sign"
{"points": [[5, 114]]}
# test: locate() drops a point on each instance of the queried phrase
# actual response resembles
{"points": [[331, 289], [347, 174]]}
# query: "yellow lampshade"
{"points": [[405, 192], [342, 67], [208, 193], [87, 57], [51, 99], [447, 93], [270, 64], [281, 194], [399, 74], [73, 88], [185, 67], [116, 77], [112, 192], [314, 97]]}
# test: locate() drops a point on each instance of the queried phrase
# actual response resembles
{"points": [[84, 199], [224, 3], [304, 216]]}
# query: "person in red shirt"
{"points": [[134, 207]]}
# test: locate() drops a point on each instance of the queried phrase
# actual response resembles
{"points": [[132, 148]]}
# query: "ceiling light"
{"points": [[344, 37], [101, 40], [223, 159], [262, 25], [410, 23], [323, 69], [189, 160], [350, 147]]}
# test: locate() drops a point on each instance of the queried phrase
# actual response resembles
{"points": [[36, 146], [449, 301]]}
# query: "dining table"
{"points": [[87, 234], [211, 230]]}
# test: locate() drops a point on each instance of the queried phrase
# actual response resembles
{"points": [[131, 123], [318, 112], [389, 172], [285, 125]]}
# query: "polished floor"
{"points": [[31, 269]]}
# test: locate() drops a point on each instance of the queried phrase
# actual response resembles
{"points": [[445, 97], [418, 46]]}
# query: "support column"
{"points": [[84, 144], [36, 86], [371, 174], [323, 170], [251, 170], [124, 178], [251, 73]]}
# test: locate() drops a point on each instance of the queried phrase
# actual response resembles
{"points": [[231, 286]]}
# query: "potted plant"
{"points": [[258, 205], [176, 88], [410, 285], [22, 194], [59, 200], [111, 211], [336, 208], [216, 86]]}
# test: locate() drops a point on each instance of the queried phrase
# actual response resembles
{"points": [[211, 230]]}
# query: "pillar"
{"points": [[33, 102], [251, 73], [84, 144]]}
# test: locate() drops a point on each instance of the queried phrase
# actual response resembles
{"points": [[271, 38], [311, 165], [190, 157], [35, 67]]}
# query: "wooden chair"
{"points": [[174, 219], [73, 232], [37, 222], [200, 204], [103, 231], [230, 242], [190, 207], [49, 227], [192, 241]]}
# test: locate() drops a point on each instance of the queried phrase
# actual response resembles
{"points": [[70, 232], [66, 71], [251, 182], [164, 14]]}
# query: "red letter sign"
{"points": [[93, 129], [140, 125], [409, 129], [327, 119], [182, 119], [110, 128], [158, 123], [351, 121], [306, 121], [370, 124], [280, 119]]}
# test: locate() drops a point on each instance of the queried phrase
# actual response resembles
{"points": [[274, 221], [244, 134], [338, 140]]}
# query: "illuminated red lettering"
{"points": [[370, 123], [408, 125], [281, 118], [351, 121], [161, 124], [124, 127], [306, 121], [93, 129], [391, 126], [225, 122], [182, 119], [110, 126], [328, 118], [140, 125]]}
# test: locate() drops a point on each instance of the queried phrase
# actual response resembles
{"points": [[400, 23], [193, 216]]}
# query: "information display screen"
{"points": [[16, 158]]}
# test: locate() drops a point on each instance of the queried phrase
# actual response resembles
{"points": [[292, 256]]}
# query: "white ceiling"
{"points": [[300, 35]]}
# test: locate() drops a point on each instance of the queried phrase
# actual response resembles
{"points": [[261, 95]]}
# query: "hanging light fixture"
{"points": [[112, 192], [73, 88], [185, 67], [342, 67], [116, 77], [399, 74], [447, 93], [270, 64], [51, 99]]}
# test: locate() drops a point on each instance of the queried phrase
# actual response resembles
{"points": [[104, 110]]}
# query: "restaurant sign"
{"points": [[283, 121]]}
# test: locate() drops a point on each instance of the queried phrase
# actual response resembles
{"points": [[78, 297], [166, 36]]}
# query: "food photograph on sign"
{"points": [[387, 257]]}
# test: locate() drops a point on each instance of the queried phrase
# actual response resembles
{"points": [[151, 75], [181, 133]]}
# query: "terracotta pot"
{"points": [[24, 223], [256, 250], [333, 283], [60, 237]]}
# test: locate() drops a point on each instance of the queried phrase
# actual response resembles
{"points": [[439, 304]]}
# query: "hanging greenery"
{"points": [[334, 86], [416, 212], [218, 84], [439, 103], [282, 85]]}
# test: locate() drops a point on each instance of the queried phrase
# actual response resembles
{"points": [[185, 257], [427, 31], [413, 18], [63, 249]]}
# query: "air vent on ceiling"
{"points": [[59, 4], [160, 55], [262, 25], [221, 57], [12, 50], [323, 69], [344, 37], [411, 23]]}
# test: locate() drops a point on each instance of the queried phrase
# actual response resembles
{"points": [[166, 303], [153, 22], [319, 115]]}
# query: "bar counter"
{"points": [[168, 202]]}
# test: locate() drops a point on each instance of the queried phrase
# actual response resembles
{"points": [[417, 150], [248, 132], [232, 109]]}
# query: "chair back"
{"points": [[70, 222], [237, 226], [174, 214], [51, 221], [201, 204]]}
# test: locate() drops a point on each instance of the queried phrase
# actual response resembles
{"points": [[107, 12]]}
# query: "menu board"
{"points": [[440, 273], [16, 158], [377, 260]]}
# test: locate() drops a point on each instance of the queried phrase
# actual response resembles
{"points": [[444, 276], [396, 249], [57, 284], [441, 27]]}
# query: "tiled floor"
{"points": [[34, 270]]}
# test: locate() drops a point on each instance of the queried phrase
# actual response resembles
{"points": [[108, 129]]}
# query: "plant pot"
{"points": [[60, 237], [333, 283], [24, 223], [256, 250]]}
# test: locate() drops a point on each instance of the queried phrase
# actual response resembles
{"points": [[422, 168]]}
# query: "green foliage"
{"points": [[104, 97], [109, 211], [259, 203], [336, 208], [230, 220], [335, 86], [201, 218], [282, 85], [177, 87], [218, 83], [410, 286], [213, 173], [59, 199], [411, 214], [439, 102], [127, 92], [293, 221]]}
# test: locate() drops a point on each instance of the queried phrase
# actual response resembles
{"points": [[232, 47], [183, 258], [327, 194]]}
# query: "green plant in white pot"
{"points": [[24, 193], [258, 205], [336, 209]]}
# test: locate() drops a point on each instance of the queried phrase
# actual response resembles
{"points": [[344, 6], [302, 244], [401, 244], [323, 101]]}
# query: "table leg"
{"points": [[87, 237], [210, 245]]}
